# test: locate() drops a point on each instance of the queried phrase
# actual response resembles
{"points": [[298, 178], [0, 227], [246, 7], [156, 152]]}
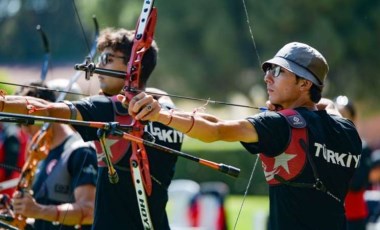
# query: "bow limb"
{"points": [[139, 162], [142, 42], [45, 64]]}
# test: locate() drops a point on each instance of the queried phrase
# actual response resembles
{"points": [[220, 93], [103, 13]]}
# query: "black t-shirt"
{"points": [[116, 204], [334, 146]]}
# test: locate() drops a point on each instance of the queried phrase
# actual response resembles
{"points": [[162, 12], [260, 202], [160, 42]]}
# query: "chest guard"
{"points": [[58, 184], [289, 164], [118, 146]]}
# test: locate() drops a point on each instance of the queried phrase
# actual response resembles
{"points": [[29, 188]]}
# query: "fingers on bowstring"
{"points": [[141, 102], [149, 110], [273, 107], [144, 111]]}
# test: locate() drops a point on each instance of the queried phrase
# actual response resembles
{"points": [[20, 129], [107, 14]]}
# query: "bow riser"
{"points": [[139, 162], [141, 43]]}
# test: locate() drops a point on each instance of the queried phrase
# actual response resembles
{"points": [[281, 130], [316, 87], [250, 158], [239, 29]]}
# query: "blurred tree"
{"points": [[22, 43], [205, 46], [8, 89]]}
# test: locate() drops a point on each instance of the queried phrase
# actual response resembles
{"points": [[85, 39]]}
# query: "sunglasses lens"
{"points": [[276, 71], [103, 59], [106, 58]]}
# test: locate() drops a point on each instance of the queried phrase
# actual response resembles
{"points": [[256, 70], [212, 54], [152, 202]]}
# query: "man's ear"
{"points": [[306, 84]]}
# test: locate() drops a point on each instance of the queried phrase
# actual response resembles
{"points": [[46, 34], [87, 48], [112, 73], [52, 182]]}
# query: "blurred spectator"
{"points": [[374, 174], [356, 208], [373, 197], [12, 154], [181, 193], [13, 143], [208, 206]]}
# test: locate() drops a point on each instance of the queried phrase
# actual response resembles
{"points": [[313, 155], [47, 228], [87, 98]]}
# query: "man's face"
{"points": [[282, 86], [112, 60]]}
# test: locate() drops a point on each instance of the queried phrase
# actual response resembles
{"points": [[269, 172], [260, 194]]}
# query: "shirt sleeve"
{"points": [[96, 108], [83, 167], [273, 133]]}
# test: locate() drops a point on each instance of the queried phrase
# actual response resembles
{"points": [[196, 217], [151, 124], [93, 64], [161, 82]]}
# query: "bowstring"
{"points": [[257, 158], [246, 191], [251, 32], [83, 163], [81, 27]]}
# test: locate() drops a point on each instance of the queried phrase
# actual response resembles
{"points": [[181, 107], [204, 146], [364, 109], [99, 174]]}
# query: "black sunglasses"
{"points": [[275, 70], [104, 58]]}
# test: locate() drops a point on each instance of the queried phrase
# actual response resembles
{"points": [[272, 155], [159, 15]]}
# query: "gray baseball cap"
{"points": [[302, 60]]}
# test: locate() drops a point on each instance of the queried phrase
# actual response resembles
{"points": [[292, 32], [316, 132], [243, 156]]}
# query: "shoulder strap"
{"points": [[299, 132], [294, 119]]}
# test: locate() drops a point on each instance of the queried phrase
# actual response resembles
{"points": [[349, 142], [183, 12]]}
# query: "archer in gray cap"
{"points": [[302, 60], [308, 155]]}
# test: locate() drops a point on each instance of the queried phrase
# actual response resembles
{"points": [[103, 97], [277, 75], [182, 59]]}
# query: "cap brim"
{"points": [[292, 67]]}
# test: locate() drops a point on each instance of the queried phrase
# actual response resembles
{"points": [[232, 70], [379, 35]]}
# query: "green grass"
{"points": [[196, 145], [254, 209]]}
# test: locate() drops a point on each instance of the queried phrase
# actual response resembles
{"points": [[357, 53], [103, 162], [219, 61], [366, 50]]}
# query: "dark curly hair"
{"points": [[122, 40]]}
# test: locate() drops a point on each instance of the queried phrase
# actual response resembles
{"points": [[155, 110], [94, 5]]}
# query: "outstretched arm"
{"points": [[35, 106], [202, 126]]}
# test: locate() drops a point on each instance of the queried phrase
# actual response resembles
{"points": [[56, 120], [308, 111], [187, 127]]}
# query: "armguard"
{"points": [[73, 110]]}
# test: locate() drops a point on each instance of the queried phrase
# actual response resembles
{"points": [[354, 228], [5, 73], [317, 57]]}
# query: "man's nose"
{"points": [[268, 77]]}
